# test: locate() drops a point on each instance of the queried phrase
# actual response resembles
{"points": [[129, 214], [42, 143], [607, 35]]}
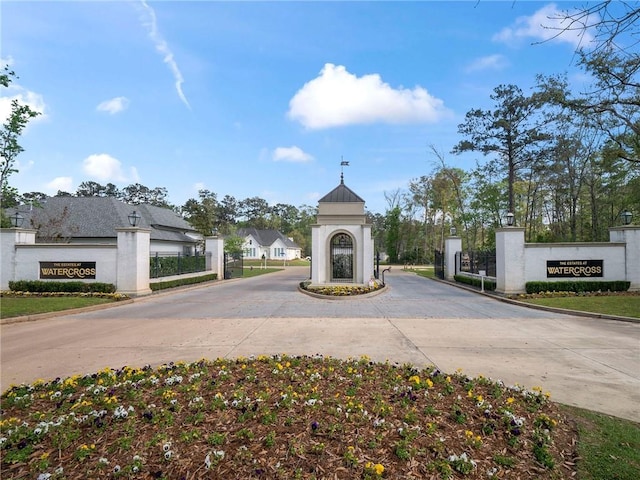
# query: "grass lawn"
{"points": [[19, 306], [255, 271], [608, 447], [427, 272], [276, 263], [626, 306]]}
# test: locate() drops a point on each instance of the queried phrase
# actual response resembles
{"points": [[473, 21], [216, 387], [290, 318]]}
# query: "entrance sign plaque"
{"points": [[574, 268], [67, 270]]}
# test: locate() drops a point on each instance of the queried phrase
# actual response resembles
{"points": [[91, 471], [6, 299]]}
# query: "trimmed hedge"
{"points": [[489, 285], [40, 286], [578, 286], [182, 281]]}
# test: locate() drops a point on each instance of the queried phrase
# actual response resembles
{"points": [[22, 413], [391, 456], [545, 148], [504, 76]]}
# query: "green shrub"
{"points": [[38, 286], [182, 281], [476, 282], [578, 286]]}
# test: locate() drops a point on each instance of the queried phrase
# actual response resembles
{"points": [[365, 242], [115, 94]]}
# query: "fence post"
{"points": [[156, 265], [452, 245], [214, 247], [132, 260], [510, 262], [630, 235], [9, 238]]}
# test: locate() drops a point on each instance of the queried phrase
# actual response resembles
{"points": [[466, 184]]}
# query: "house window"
{"points": [[278, 252], [250, 252]]}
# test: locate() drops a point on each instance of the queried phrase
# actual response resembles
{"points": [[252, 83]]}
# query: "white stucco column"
{"points": [[452, 245], [318, 255], [510, 260], [367, 254], [630, 235], [132, 271], [9, 238], [215, 261]]}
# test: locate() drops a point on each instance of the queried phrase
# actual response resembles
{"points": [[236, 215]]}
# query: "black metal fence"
{"points": [[233, 265], [475, 262], [438, 263], [167, 264]]}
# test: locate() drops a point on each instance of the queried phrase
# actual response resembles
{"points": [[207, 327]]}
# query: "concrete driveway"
{"points": [[589, 362]]}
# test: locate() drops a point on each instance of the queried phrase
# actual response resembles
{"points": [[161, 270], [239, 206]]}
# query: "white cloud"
{"points": [[291, 154], [35, 101], [163, 48], [490, 62], [548, 23], [64, 184], [105, 168], [338, 98], [114, 105], [199, 186]]}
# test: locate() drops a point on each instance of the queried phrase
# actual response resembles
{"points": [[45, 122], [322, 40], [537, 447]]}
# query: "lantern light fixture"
{"points": [[510, 219], [134, 218], [16, 220]]}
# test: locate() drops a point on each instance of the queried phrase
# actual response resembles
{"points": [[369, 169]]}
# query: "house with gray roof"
{"points": [[93, 220], [270, 243]]}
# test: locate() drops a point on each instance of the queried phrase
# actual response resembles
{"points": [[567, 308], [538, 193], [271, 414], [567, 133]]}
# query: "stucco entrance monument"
{"points": [[341, 241]]}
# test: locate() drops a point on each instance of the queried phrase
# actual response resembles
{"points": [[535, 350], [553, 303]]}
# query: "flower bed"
{"points": [[562, 294], [18, 294], [282, 417], [341, 290]]}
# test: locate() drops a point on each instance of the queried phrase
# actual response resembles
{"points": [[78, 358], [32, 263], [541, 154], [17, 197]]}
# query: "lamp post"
{"points": [[16, 220], [134, 218], [510, 219], [626, 217], [453, 231]]}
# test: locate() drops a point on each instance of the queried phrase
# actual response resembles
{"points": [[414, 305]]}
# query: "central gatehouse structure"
{"points": [[341, 241]]}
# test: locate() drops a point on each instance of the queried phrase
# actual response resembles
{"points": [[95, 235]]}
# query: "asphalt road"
{"points": [[588, 362]]}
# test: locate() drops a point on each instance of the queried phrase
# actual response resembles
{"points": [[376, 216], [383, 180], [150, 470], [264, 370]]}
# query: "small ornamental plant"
{"points": [[281, 417]]}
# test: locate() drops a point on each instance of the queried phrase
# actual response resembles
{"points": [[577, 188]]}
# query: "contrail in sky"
{"points": [[163, 48]]}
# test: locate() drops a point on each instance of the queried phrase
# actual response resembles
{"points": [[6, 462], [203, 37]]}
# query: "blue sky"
{"points": [[264, 98]]}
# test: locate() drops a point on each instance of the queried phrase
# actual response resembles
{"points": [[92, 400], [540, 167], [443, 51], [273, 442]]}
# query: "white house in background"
{"points": [[270, 243]]}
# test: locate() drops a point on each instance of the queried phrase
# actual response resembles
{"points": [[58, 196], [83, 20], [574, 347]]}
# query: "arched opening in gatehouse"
{"points": [[341, 258]]}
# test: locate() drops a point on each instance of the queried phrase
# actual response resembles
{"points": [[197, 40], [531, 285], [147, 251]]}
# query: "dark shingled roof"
{"points": [[98, 217], [341, 194]]}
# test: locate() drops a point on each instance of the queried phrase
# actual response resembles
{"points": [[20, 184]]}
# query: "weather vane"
{"points": [[343, 163]]}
